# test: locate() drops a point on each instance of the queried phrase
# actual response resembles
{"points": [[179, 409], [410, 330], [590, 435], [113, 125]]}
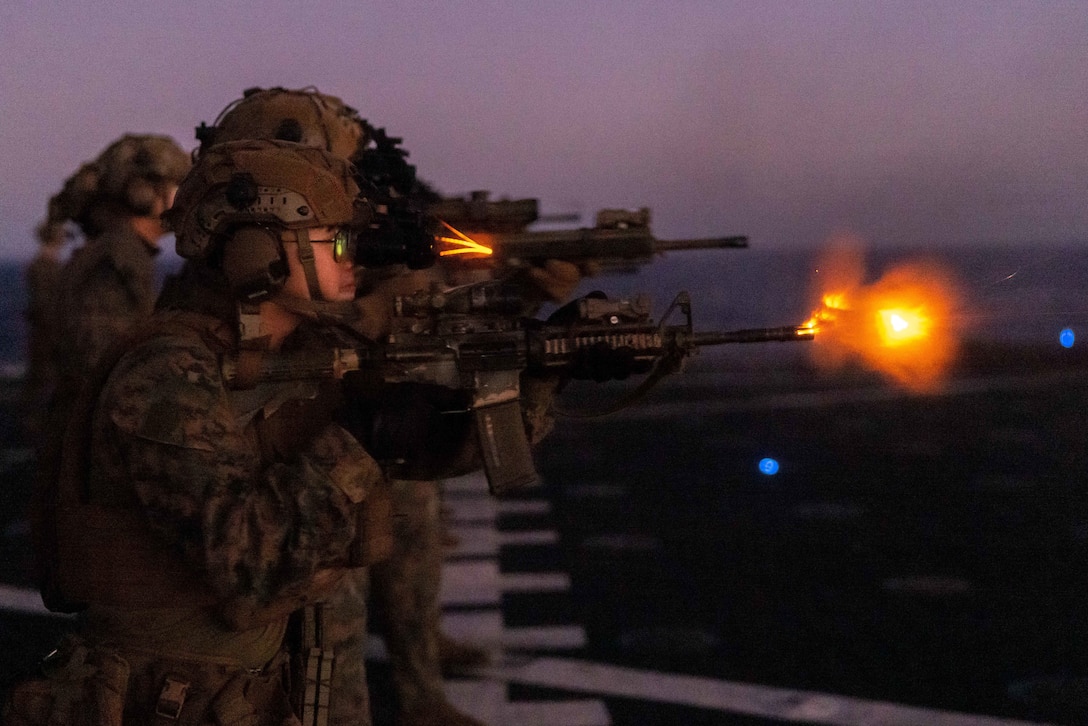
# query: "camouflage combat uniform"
{"points": [[108, 284], [406, 595], [256, 494]]}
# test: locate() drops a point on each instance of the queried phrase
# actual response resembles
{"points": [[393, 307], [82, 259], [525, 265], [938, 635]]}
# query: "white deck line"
{"points": [[719, 695], [474, 483], [25, 600], [485, 628], [470, 583], [555, 713], [479, 627], [475, 540], [820, 399], [534, 537], [472, 510], [522, 582], [523, 506], [482, 540], [544, 637], [486, 700]]}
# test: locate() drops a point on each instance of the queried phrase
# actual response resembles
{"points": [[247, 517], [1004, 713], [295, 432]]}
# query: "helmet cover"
{"points": [[279, 184], [304, 116], [133, 169]]}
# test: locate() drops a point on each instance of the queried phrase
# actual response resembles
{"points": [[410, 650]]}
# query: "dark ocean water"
{"points": [[1019, 294]]}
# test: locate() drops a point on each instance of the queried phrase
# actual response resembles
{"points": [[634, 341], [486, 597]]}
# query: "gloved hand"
{"points": [[555, 279]]}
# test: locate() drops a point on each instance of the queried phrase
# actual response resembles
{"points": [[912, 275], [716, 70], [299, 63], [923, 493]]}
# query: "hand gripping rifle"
{"points": [[470, 338]]}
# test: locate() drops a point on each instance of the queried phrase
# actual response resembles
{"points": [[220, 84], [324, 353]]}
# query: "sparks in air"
{"points": [[900, 325], [461, 244]]}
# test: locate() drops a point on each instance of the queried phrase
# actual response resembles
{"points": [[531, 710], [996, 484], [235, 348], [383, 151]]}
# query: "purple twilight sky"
{"points": [[904, 122]]}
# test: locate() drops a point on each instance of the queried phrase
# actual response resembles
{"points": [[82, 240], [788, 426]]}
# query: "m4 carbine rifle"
{"points": [[480, 232], [470, 338]]}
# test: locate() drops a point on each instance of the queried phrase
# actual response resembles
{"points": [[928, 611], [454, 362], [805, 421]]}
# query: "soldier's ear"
{"points": [[254, 263]]}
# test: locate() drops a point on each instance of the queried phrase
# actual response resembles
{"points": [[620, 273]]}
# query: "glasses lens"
{"points": [[343, 246]]}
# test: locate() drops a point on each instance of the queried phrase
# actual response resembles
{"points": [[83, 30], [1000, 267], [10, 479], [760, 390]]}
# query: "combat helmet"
{"points": [[305, 116], [135, 169], [243, 199], [51, 233], [397, 233], [126, 179]]}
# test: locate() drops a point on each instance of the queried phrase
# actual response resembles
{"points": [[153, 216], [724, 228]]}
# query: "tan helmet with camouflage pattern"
{"points": [[136, 169], [263, 183], [51, 233], [305, 116], [243, 199]]}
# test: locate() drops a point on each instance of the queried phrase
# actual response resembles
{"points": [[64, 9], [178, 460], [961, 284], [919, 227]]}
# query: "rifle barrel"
{"points": [[665, 245], [784, 334]]}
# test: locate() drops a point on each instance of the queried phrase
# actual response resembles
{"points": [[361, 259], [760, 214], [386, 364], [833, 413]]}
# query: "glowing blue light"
{"points": [[1066, 337], [768, 466]]}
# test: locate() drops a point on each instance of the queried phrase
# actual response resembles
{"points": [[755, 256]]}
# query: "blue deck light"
{"points": [[768, 466]]}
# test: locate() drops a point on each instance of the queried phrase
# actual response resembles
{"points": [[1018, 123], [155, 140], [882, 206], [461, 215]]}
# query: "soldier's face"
{"points": [[336, 280]]}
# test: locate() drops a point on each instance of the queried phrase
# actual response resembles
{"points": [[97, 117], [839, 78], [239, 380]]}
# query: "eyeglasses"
{"points": [[343, 244]]}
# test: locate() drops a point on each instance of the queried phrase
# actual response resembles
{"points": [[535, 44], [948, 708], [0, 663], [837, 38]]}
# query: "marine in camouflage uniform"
{"points": [[406, 585], [405, 588], [210, 511], [108, 284]]}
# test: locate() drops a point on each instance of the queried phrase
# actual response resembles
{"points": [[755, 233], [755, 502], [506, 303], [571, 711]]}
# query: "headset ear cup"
{"points": [[254, 263]]}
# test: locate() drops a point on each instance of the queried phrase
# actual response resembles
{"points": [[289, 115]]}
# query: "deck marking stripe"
{"points": [[522, 582], [25, 600], [523, 506], [836, 397], [720, 695]]}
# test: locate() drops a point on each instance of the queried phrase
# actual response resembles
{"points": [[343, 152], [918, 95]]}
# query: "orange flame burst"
{"points": [[901, 325], [461, 244]]}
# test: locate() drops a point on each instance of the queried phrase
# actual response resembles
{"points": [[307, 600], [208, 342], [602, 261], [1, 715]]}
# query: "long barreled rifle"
{"points": [[470, 338], [480, 232]]}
